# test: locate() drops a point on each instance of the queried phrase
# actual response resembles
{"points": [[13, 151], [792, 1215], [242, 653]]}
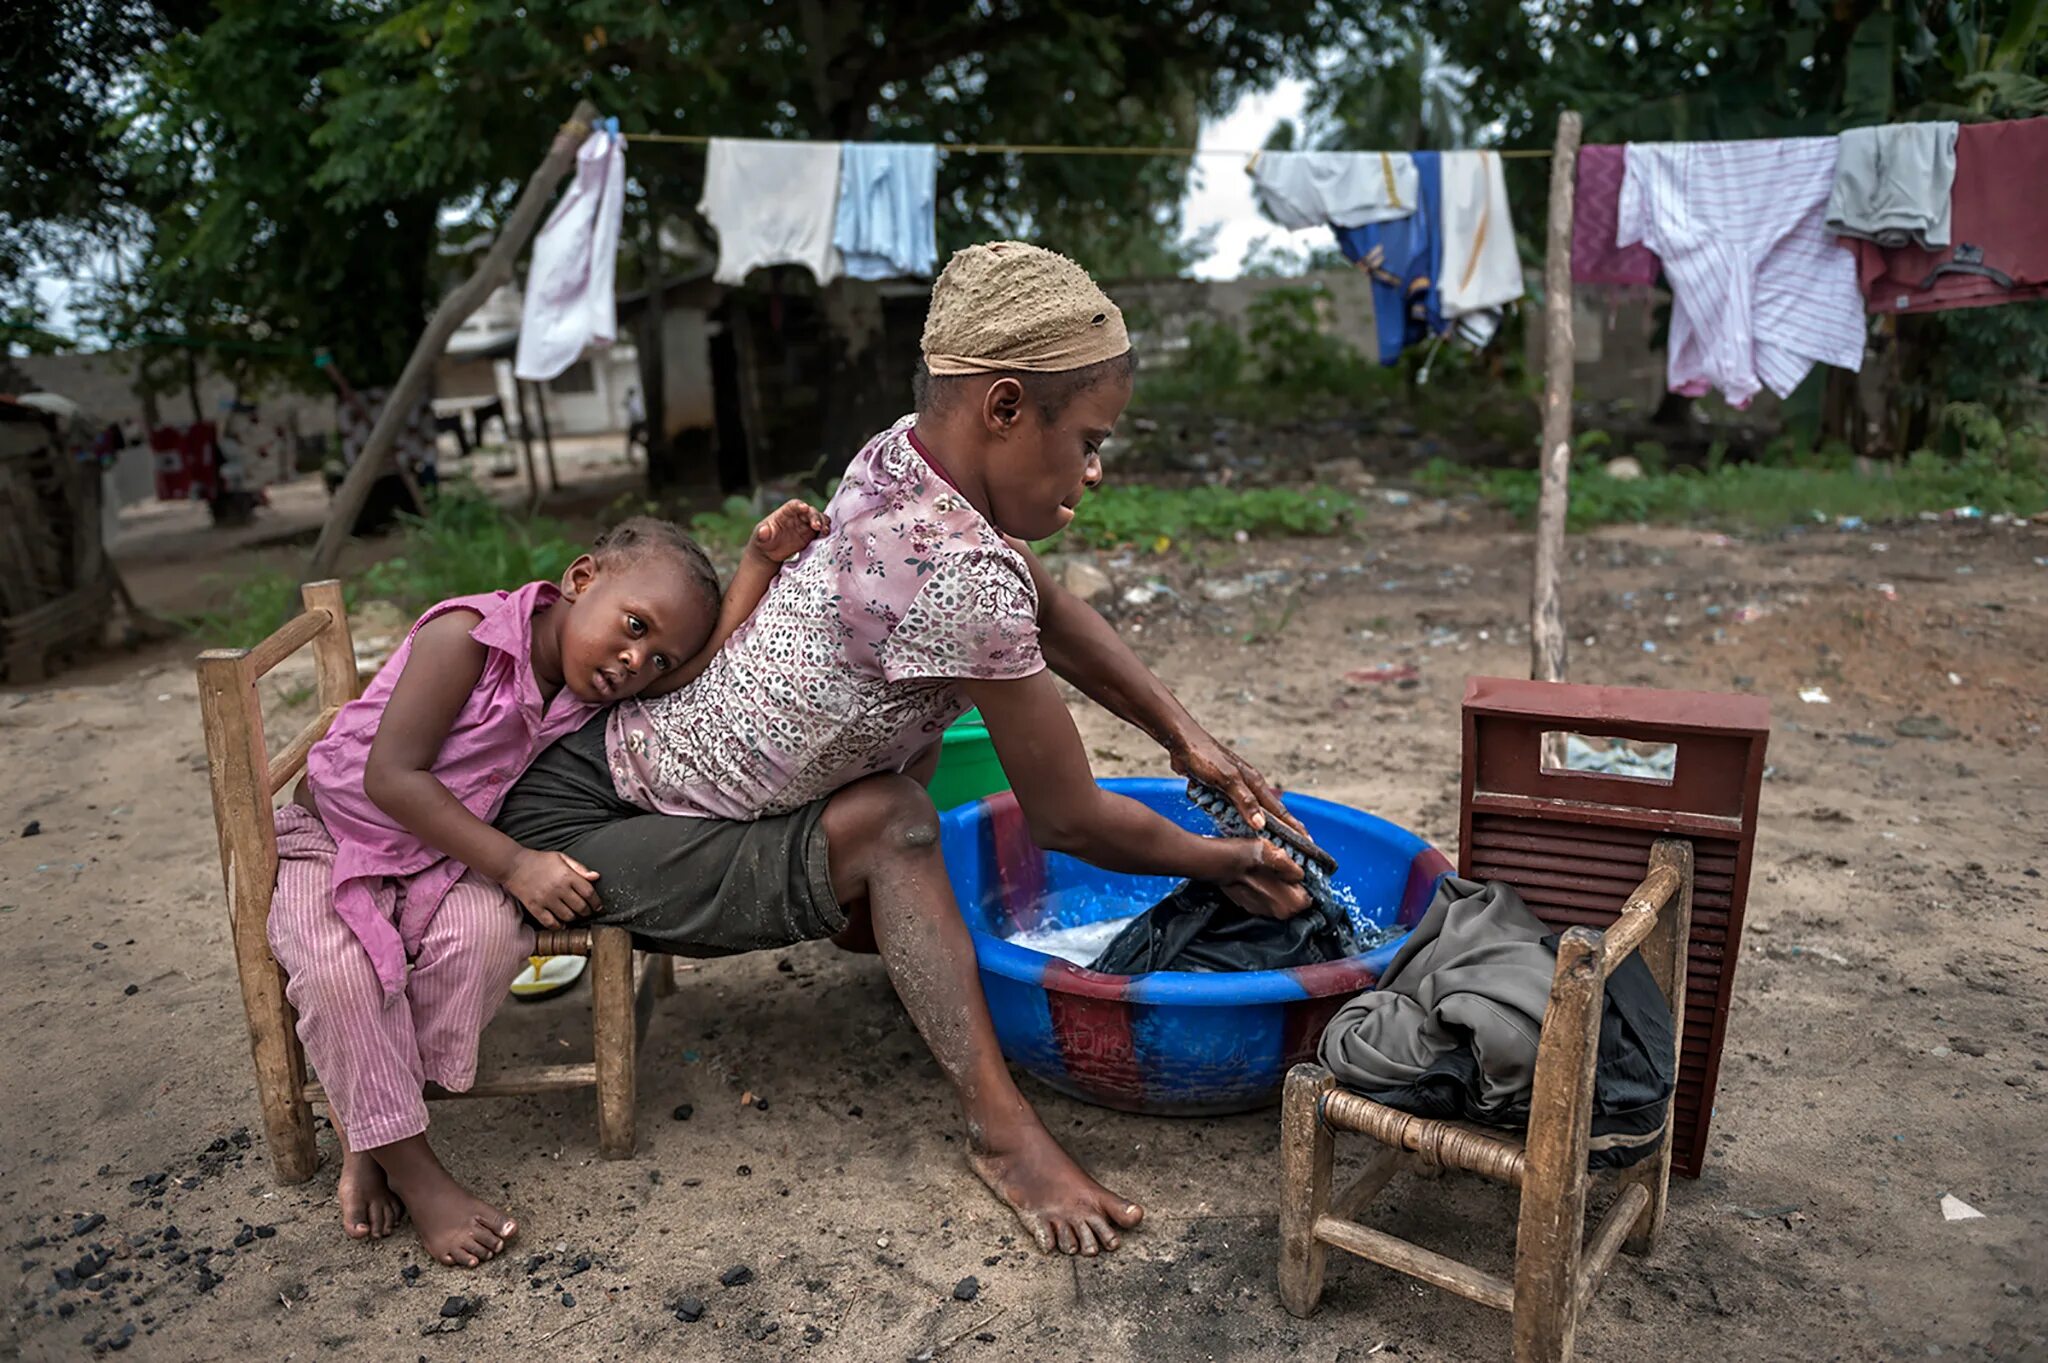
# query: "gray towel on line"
{"points": [[1893, 184], [1452, 1029]]}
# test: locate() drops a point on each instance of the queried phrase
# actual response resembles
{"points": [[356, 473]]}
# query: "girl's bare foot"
{"points": [[369, 1210], [1054, 1197], [457, 1227]]}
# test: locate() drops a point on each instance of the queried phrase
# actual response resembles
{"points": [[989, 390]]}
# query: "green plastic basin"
{"points": [[968, 768]]}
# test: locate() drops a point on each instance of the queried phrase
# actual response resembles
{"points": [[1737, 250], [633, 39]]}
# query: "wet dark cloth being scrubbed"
{"points": [[1198, 928]]}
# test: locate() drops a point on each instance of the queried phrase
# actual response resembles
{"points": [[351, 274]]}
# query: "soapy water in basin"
{"points": [[1080, 943], [1069, 929], [1169, 1042]]}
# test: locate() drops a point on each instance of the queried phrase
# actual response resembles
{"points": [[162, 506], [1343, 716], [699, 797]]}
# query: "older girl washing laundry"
{"points": [[766, 803], [397, 909]]}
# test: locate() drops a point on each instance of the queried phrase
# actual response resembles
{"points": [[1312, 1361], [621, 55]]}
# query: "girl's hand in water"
{"points": [[1266, 882], [555, 889], [785, 531]]}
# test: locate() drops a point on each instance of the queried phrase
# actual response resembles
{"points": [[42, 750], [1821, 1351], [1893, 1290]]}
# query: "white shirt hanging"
{"points": [[1482, 270], [1334, 188], [569, 286], [772, 203]]}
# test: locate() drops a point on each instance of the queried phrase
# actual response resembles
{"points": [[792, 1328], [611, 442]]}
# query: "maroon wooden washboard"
{"points": [[1576, 843]]}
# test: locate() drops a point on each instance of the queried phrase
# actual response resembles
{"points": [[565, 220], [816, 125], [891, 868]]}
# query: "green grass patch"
{"points": [[725, 531], [1159, 517], [254, 607], [464, 545], [1762, 496], [1128, 513]]}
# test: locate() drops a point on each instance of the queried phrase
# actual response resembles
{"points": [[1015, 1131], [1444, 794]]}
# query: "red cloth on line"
{"points": [[1595, 214], [2000, 205]]}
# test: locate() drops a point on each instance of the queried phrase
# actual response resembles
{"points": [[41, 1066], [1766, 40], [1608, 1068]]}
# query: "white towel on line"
{"points": [[569, 301], [772, 203]]}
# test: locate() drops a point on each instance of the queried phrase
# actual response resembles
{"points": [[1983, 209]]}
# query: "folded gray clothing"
{"points": [[1452, 1029], [1893, 184]]}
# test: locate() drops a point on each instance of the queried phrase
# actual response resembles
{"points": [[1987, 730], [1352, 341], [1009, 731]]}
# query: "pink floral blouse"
{"points": [[852, 663]]}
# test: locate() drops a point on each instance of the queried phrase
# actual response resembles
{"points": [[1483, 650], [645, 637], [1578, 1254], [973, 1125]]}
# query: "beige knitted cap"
{"points": [[1008, 305]]}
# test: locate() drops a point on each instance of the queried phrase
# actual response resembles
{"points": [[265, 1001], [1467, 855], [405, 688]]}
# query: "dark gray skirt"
{"points": [[691, 887]]}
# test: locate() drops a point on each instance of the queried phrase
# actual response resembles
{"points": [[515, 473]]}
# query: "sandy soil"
{"points": [[1886, 1043]]}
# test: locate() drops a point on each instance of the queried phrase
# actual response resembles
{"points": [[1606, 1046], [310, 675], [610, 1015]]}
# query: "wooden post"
{"points": [[1549, 1233], [1546, 613], [613, 1039], [1306, 1151], [653, 361], [1664, 951], [240, 777], [495, 270], [547, 437], [519, 388]]}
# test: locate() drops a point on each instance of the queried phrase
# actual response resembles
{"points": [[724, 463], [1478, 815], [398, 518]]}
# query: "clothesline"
{"points": [[1053, 149]]}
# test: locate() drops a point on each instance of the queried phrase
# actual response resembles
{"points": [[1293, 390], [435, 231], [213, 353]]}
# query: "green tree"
{"points": [[1649, 70], [1400, 94], [296, 168], [467, 87], [63, 192], [248, 242]]}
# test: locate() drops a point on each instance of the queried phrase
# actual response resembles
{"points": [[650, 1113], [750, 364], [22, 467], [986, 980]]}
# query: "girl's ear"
{"points": [[578, 578]]}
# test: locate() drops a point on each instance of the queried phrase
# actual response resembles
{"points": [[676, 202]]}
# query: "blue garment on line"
{"points": [[888, 203], [1405, 257]]}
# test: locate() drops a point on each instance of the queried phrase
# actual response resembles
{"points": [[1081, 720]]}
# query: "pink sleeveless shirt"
{"points": [[503, 726]]}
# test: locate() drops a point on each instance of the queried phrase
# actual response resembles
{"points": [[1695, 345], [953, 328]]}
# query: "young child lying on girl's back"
{"points": [[394, 914]]}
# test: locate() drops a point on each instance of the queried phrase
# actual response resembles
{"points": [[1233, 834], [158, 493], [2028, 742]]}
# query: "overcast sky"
{"points": [[1221, 193]]}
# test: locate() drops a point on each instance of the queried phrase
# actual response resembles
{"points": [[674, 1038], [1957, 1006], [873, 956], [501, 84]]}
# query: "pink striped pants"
{"points": [[374, 1057]]}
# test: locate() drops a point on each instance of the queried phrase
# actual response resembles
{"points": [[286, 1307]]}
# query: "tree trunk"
{"points": [[663, 471], [856, 395], [1908, 420], [1841, 417], [547, 436], [1673, 409], [495, 270]]}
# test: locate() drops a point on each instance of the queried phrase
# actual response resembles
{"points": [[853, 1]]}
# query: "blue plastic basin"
{"points": [[1169, 1042]]}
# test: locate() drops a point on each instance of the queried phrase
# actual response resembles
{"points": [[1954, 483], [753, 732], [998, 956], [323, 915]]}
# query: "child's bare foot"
{"points": [[457, 1227], [369, 1211], [1054, 1197]]}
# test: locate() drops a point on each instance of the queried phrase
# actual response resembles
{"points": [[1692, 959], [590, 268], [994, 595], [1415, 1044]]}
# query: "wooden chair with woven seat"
{"points": [[246, 780], [1616, 863]]}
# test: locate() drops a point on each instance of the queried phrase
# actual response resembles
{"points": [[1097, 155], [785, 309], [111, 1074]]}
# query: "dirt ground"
{"points": [[1885, 1047]]}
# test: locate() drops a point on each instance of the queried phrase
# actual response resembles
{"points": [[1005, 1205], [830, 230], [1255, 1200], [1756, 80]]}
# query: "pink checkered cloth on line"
{"points": [[1595, 257]]}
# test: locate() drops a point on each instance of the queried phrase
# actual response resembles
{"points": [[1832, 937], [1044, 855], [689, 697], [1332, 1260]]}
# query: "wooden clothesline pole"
{"points": [[1547, 642], [495, 270]]}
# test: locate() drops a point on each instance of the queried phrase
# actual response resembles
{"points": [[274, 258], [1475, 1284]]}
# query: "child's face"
{"points": [[632, 621], [1044, 468]]}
